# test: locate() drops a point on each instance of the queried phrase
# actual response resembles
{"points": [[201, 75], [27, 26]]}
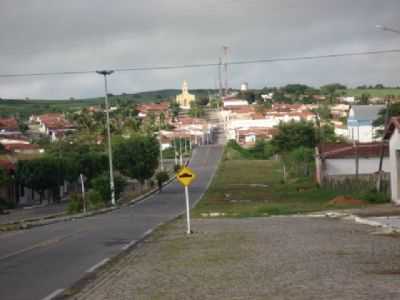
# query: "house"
{"points": [[249, 136], [184, 99], [348, 99], [54, 125], [152, 108], [9, 126], [360, 123], [337, 162], [392, 134], [340, 111], [234, 102]]}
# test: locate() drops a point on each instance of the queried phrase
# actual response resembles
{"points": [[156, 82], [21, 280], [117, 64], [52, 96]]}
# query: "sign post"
{"points": [[185, 177]]}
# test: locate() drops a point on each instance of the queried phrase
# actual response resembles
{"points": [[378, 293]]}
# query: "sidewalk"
{"points": [[258, 258], [20, 214]]}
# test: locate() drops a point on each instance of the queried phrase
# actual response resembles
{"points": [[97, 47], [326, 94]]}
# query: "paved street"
{"points": [[37, 262], [17, 215], [271, 258]]}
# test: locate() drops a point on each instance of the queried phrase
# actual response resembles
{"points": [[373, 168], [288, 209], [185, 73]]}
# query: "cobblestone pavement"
{"points": [[258, 258]]}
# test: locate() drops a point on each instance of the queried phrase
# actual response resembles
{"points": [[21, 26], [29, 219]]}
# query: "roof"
{"points": [[8, 124], [16, 147], [366, 150], [7, 165], [365, 112]]}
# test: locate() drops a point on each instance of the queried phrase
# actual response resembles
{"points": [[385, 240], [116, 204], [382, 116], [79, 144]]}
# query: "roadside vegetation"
{"points": [[276, 178]]}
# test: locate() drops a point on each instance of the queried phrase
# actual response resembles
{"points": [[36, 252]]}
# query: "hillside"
{"points": [[25, 107]]}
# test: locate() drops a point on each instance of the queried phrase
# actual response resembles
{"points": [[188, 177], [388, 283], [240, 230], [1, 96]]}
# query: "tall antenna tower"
{"points": [[226, 51], [220, 77]]}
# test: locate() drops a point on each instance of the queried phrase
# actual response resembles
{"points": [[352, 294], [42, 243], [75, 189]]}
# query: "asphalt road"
{"points": [[37, 262]]}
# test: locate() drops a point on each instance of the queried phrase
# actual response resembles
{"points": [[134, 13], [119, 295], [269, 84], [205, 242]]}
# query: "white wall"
{"points": [[362, 134], [394, 147], [347, 166]]}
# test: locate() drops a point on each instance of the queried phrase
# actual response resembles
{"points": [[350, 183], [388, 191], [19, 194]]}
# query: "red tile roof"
{"points": [[349, 151], [16, 147], [8, 124], [7, 165]]}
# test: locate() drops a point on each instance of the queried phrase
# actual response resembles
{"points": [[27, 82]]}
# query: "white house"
{"points": [[393, 135], [360, 123], [338, 161], [348, 99], [234, 102]]}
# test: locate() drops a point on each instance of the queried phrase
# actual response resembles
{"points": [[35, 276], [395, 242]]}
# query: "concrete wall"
{"points": [[394, 149], [347, 166], [362, 133]]}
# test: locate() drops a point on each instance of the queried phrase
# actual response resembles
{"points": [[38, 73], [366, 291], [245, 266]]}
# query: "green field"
{"points": [[245, 188], [373, 92]]}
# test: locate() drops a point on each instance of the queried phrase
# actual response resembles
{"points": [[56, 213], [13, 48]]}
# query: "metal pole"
{"points": [[161, 157], [83, 194], [175, 152], [110, 160], [187, 210], [180, 151]]}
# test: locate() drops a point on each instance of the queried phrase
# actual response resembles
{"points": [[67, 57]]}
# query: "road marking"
{"points": [[98, 265], [54, 294], [148, 232], [38, 245], [127, 246]]}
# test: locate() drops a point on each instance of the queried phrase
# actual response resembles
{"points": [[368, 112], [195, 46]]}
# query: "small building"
{"points": [[392, 134], [337, 162], [249, 136], [185, 98], [360, 123], [234, 102], [244, 87]]}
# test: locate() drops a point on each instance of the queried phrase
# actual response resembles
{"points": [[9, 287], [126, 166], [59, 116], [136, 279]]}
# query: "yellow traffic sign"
{"points": [[185, 176]]}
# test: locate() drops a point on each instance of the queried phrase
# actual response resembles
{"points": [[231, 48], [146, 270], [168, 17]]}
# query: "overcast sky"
{"points": [[74, 35]]}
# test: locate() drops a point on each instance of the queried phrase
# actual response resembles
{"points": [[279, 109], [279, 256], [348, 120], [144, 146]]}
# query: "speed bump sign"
{"points": [[185, 176]]}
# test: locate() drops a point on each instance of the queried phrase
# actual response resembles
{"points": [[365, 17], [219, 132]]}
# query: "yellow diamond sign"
{"points": [[185, 176]]}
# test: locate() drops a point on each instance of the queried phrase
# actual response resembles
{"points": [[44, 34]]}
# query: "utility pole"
{"points": [[226, 49], [387, 114], [220, 77], [105, 73], [161, 155]]}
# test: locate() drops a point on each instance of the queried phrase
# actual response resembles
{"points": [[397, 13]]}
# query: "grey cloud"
{"points": [[48, 35]]}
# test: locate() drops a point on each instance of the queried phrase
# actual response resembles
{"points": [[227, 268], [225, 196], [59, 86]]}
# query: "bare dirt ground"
{"points": [[256, 258]]}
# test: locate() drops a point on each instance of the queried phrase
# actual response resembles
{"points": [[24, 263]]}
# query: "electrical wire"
{"points": [[205, 65]]}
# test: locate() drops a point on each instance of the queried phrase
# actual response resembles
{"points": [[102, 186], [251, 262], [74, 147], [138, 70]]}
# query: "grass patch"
{"points": [[251, 188]]}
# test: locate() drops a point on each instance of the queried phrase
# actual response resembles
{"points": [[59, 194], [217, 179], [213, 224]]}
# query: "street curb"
{"points": [[356, 219]]}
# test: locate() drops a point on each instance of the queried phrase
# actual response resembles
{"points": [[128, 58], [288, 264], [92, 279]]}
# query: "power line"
{"points": [[205, 65]]}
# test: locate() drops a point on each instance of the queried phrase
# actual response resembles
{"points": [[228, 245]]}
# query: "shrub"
{"points": [[94, 200], [101, 184], [75, 204], [161, 177]]}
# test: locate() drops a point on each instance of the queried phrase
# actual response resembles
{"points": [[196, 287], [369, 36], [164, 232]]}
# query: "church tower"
{"points": [[185, 98]]}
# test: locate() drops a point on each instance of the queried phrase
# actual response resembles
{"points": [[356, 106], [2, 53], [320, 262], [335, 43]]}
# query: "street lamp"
{"points": [[105, 73], [384, 28]]}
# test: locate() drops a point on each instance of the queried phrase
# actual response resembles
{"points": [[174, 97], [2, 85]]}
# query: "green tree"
{"points": [[293, 135], [394, 110], [196, 110], [101, 184], [364, 99], [174, 109], [38, 174], [137, 157]]}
